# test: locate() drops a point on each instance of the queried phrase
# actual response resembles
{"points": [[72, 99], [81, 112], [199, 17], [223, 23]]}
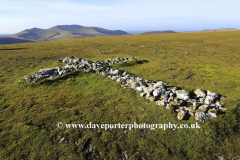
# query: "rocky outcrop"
{"points": [[203, 105], [73, 64]]}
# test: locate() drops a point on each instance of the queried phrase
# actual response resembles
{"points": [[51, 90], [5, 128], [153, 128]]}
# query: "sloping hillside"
{"points": [[11, 40], [61, 32], [4, 34]]}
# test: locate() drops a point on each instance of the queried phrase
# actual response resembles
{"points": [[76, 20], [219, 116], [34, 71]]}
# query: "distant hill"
{"points": [[4, 34], [62, 32], [158, 32], [66, 32], [215, 30], [12, 40], [135, 32], [220, 30]]}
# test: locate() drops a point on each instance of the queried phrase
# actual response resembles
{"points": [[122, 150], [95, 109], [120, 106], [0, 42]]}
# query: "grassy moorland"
{"points": [[29, 112]]}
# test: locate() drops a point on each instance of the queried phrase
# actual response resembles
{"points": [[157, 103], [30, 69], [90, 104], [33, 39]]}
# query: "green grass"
{"points": [[29, 112]]}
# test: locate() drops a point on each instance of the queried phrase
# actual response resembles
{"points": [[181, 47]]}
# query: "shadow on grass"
{"points": [[130, 63], [60, 78], [5, 49]]}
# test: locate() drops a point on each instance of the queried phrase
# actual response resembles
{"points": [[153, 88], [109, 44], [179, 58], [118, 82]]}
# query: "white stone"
{"points": [[220, 104], [140, 89], [147, 96], [160, 84], [51, 77], [114, 77], [143, 94], [201, 116], [158, 91], [182, 94], [124, 73], [211, 114], [210, 93], [161, 103], [115, 71], [209, 100], [200, 93]]}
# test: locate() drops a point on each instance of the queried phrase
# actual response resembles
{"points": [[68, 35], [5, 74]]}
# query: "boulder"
{"points": [[138, 79], [33, 76], [118, 80], [219, 104], [148, 90], [192, 101], [209, 99], [89, 70], [174, 103], [191, 113], [143, 94], [51, 77], [158, 91], [222, 97], [40, 76], [125, 73], [202, 108], [168, 106], [182, 114], [140, 89], [161, 102], [104, 73], [147, 96], [60, 73], [212, 112], [151, 98], [151, 85], [170, 99], [141, 83], [85, 62], [133, 85], [116, 72], [27, 77], [201, 100], [114, 78], [195, 104], [201, 116], [200, 93], [164, 96], [210, 93], [160, 84], [182, 94], [124, 82]]}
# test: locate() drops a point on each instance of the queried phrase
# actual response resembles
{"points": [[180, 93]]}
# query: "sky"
{"points": [[126, 15]]}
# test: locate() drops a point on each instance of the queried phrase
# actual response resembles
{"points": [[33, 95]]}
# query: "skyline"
{"points": [[176, 15]]}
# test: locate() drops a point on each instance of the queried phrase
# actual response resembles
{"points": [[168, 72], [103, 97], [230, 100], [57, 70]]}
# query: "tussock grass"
{"points": [[29, 112]]}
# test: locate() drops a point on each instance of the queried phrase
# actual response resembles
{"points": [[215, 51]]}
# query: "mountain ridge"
{"points": [[61, 32], [158, 32], [12, 40], [214, 30]]}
